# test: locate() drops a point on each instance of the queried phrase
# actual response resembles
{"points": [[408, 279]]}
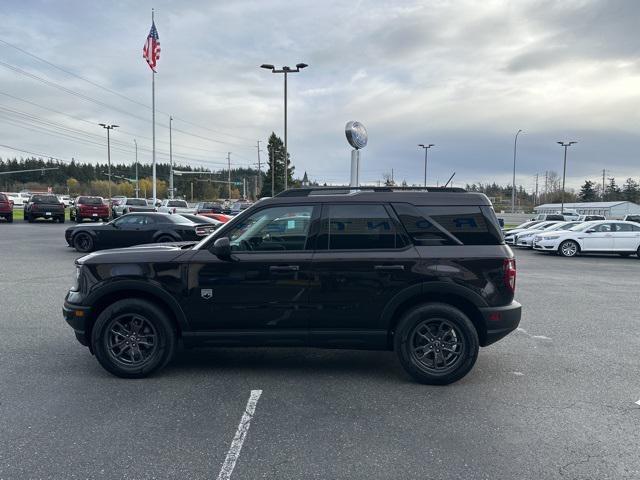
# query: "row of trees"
{"points": [[592, 191]]}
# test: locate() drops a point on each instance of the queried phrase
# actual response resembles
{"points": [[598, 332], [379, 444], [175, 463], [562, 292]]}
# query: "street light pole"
{"points": [[285, 70], [513, 182], [170, 160], [426, 153], [108, 127], [137, 182], [564, 170]]}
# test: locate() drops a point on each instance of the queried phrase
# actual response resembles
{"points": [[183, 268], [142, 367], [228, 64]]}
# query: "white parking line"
{"points": [[238, 439], [638, 402]]}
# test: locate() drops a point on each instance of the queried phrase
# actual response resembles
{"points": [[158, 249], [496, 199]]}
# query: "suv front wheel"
{"points": [[133, 338], [436, 343]]}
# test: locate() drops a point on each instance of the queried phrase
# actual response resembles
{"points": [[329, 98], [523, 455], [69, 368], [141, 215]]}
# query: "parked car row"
{"points": [[569, 239]]}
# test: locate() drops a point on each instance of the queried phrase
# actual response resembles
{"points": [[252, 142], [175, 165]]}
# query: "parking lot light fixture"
{"points": [[108, 128], [564, 170], [426, 152], [285, 70]]}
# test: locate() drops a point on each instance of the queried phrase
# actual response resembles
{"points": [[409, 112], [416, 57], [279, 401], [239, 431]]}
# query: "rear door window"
{"points": [[357, 227], [460, 225]]}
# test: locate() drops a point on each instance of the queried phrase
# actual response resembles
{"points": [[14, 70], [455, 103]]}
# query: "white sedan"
{"points": [[525, 238], [510, 236], [602, 236]]}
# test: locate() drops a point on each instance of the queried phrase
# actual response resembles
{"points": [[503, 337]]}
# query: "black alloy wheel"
{"points": [[436, 343], [83, 242], [165, 239], [133, 338]]}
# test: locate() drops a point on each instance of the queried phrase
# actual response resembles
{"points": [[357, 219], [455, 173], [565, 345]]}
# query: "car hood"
{"points": [[147, 253]]}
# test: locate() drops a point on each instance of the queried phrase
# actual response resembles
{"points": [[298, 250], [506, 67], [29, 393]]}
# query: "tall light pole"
{"points": [[513, 182], [564, 169], [426, 152], [109, 127], [137, 182], [285, 70], [170, 160]]}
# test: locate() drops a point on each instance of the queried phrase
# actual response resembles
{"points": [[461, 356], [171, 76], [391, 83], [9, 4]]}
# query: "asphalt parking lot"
{"points": [[555, 399]]}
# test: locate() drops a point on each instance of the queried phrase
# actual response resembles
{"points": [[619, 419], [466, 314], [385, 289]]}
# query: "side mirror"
{"points": [[222, 248]]}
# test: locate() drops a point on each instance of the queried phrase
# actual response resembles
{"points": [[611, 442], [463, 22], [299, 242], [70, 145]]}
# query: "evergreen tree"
{"points": [[588, 192], [276, 168], [612, 192], [631, 190]]}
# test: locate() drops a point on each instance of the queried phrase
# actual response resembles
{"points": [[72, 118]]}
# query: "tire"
{"points": [[136, 358], [9, 218], [165, 238], [29, 218], [61, 219], [625, 255], [77, 219], [568, 248], [426, 329], [83, 242]]}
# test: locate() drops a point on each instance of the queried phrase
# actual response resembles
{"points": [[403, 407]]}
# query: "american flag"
{"points": [[151, 49]]}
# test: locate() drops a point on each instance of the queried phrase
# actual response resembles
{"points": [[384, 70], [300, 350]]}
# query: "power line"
{"points": [[114, 92], [68, 91]]}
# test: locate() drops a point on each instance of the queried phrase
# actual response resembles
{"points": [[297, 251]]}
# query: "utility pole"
{"points": [[108, 128], [137, 181], [229, 161], [513, 185], [604, 172], [272, 159], [170, 159], [244, 188], [564, 170], [259, 179], [535, 197]]}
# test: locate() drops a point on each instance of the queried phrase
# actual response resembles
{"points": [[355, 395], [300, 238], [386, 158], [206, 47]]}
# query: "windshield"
{"points": [[137, 201], [90, 200], [528, 224], [177, 203], [45, 199], [582, 226]]}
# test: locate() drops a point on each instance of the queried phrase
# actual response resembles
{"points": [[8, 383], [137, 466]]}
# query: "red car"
{"points": [[6, 208], [90, 207], [221, 217]]}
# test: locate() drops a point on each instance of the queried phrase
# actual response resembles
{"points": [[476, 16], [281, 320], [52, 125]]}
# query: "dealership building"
{"points": [[608, 209]]}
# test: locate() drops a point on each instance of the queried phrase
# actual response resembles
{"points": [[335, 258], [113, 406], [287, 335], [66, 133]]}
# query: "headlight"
{"points": [[550, 238]]}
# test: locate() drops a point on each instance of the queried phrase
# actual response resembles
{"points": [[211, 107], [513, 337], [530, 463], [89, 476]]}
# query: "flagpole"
{"points": [[153, 122]]}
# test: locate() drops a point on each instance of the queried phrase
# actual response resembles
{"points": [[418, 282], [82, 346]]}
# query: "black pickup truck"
{"points": [[44, 206]]}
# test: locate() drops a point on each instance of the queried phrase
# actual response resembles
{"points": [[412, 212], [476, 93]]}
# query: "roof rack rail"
{"points": [[344, 190]]}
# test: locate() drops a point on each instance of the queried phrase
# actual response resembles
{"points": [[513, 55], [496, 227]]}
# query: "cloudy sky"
{"points": [[464, 75]]}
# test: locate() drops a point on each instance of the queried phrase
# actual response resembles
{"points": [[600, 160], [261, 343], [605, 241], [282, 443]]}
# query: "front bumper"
{"points": [[526, 242], [500, 321], [545, 245], [77, 317]]}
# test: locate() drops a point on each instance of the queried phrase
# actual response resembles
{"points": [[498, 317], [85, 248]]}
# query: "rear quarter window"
{"points": [[459, 225]]}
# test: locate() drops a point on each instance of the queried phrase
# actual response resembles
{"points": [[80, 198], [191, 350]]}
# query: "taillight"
{"points": [[510, 274]]}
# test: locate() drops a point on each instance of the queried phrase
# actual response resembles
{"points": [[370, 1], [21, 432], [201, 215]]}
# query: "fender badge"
{"points": [[206, 293]]}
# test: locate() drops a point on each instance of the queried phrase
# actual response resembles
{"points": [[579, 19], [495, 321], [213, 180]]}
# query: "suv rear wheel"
{"points": [[133, 338], [436, 343]]}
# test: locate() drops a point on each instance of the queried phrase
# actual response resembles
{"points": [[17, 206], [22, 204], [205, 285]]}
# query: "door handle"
{"points": [[388, 267], [284, 268]]}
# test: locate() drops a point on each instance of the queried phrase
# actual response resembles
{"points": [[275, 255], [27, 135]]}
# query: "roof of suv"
{"points": [[415, 196]]}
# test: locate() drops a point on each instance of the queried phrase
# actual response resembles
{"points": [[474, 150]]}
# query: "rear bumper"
{"points": [[500, 321]]}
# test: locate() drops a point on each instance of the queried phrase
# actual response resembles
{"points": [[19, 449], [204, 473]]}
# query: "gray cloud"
{"points": [[462, 74]]}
